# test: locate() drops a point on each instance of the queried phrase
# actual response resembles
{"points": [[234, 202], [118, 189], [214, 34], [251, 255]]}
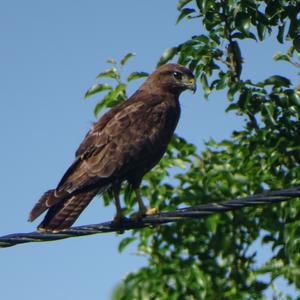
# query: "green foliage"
{"points": [[97, 88], [136, 75], [213, 258], [116, 91]]}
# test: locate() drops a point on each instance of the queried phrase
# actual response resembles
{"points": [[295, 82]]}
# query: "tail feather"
{"points": [[42, 205], [63, 214]]}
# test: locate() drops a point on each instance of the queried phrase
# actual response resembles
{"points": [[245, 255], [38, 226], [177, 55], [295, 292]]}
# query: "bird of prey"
{"points": [[123, 145]]}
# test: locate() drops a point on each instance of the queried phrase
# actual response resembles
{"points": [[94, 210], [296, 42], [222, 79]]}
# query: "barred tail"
{"points": [[42, 205], [63, 214]]}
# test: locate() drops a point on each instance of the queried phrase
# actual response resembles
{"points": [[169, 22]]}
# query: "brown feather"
{"points": [[123, 145], [41, 205], [64, 214]]}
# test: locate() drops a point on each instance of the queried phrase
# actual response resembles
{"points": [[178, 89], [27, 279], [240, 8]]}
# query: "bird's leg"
{"points": [[119, 214], [142, 208], [143, 211]]}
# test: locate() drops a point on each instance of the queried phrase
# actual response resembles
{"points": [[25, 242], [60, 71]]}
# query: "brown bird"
{"points": [[126, 143]]}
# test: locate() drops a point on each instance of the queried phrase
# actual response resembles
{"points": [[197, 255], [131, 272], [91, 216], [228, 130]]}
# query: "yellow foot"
{"points": [[41, 229], [151, 211], [51, 230], [143, 213]]}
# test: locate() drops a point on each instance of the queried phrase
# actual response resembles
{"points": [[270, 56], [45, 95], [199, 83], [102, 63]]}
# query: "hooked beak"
{"points": [[191, 84]]}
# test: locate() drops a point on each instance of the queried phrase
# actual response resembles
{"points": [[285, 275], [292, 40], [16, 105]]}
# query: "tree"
{"points": [[211, 258]]}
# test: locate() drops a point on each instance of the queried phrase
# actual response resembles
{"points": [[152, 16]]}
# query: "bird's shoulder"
{"points": [[117, 119]]}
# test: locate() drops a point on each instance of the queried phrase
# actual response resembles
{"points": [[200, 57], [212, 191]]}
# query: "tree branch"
{"points": [[198, 211]]}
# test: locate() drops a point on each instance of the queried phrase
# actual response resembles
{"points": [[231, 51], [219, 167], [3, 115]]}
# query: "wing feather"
{"points": [[123, 145], [112, 146]]}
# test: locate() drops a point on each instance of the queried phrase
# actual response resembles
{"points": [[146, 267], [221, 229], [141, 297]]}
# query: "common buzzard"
{"points": [[126, 143]]}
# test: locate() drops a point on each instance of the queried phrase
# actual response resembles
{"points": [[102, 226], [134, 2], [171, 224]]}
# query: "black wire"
{"points": [[160, 218]]}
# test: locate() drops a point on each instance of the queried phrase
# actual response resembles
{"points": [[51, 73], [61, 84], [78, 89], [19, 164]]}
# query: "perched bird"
{"points": [[123, 145]]}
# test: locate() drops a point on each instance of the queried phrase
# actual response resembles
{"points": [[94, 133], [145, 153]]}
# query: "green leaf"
{"points": [[244, 99], [180, 4], [204, 5], [232, 106], [201, 38], [184, 13], [120, 89], [205, 86], [261, 31], [136, 75], [125, 242], [279, 56], [280, 33], [244, 35], [126, 58], [111, 61], [167, 55], [295, 98], [233, 89], [212, 223], [294, 28], [97, 88], [218, 84], [101, 105], [110, 73], [242, 22], [296, 43], [269, 109], [113, 98], [179, 163], [277, 80]]}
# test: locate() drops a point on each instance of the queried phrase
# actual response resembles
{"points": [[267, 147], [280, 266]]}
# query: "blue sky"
{"points": [[50, 53]]}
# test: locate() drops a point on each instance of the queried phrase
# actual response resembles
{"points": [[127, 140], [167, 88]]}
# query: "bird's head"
{"points": [[173, 78]]}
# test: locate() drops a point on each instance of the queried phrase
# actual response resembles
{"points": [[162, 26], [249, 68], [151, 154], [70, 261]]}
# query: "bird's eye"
{"points": [[177, 75]]}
